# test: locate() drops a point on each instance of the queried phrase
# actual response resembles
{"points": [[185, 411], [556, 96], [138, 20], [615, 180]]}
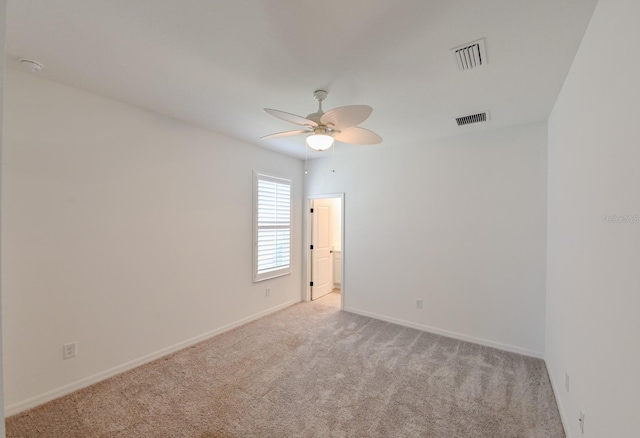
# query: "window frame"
{"points": [[278, 271]]}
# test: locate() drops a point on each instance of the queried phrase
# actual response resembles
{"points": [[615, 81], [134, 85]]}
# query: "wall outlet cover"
{"points": [[69, 350]]}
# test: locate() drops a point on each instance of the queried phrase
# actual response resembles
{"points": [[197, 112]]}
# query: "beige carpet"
{"points": [[312, 371]]}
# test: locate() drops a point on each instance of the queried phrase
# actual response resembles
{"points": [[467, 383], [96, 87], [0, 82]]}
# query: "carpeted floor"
{"points": [[312, 370]]}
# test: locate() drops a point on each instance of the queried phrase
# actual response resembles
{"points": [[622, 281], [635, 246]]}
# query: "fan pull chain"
{"points": [[333, 158], [306, 156]]}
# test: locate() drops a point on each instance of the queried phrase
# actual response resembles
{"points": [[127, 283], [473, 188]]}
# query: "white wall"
{"points": [[3, 7], [125, 231], [458, 222], [594, 265]]}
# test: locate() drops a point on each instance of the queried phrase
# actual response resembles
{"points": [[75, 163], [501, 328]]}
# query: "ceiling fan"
{"points": [[324, 128]]}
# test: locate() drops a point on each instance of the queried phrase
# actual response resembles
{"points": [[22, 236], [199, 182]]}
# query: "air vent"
{"points": [[473, 118], [471, 55]]}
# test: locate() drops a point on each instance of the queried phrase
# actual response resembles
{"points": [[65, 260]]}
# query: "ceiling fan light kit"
{"points": [[324, 128], [320, 141]]}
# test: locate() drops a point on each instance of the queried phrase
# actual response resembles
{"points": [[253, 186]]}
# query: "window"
{"points": [[272, 229]]}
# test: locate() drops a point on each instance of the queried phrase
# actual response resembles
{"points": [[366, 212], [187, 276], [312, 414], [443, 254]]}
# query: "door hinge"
{"points": [[311, 284], [311, 247], [311, 211]]}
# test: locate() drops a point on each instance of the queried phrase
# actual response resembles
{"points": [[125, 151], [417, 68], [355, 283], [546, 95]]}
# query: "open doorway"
{"points": [[325, 261]]}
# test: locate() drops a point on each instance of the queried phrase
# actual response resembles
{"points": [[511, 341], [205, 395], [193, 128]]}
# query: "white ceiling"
{"points": [[217, 63]]}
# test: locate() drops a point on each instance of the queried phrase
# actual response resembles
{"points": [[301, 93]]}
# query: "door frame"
{"points": [[306, 295]]}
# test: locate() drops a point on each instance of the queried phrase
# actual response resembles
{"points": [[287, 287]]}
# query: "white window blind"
{"points": [[272, 238]]}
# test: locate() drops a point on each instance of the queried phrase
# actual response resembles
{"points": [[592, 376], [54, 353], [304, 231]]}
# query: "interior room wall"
{"points": [[3, 8], [459, 223], [594, 230], [127, 232]]}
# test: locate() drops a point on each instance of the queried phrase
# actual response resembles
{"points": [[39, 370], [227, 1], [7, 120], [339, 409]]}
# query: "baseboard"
{"points": [[556, 394], [449, 334], [32, 402]]}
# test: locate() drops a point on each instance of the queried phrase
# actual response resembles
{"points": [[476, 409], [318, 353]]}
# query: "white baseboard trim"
{"points": [[37, 400], [556, 394], [449, 334]]}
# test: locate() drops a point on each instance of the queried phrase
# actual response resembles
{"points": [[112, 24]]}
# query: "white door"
{"points": [[321, 260]]}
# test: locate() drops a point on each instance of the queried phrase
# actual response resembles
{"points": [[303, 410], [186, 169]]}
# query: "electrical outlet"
{"points": [[69, 350], [566, 381], [267, 292], [581, 421], [418, 304]]}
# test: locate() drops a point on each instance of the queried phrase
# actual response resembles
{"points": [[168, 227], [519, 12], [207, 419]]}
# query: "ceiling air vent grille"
{"points": [[473, 118], [471, 55]]}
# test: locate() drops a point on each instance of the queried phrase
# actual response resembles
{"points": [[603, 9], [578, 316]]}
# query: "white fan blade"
{"points": [[357, 135], [346, 116], [284, 134], [291, 118]]}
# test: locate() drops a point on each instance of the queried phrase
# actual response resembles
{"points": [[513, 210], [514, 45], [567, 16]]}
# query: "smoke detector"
{"points": [[470, 55], [32, 66]]}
